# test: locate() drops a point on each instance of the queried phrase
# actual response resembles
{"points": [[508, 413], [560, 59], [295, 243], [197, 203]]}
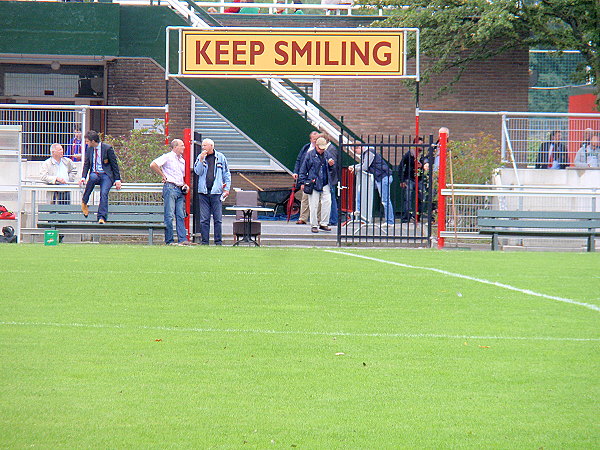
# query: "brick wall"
{"points": [[141, 82]]}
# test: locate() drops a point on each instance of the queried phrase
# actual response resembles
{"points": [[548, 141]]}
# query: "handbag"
{"points": [[309, 186]]}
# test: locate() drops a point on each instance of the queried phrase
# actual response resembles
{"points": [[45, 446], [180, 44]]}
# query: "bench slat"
{"points": [[549, 233], [509, 223], [96, 226], [491, 213], [113, 218], [94, 208]]}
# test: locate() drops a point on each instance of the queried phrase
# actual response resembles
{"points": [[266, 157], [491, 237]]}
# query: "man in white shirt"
{"points": [[171, 167], [58, 170], [589, 154]]}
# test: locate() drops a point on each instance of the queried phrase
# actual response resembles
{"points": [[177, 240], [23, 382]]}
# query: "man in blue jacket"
{"points": [[316, 173], [304, 208], [214, 183]]}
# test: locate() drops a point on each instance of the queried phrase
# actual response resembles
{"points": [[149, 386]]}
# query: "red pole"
{"points": [[187, 178], [442, 185], [167, 125], [417, 123], [416, 166]]}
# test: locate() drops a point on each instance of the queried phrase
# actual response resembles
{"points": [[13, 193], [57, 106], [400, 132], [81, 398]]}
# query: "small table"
{"points": [[247, 212]]}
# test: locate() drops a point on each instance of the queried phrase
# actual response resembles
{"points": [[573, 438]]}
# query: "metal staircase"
{"points": [[241, 151]]}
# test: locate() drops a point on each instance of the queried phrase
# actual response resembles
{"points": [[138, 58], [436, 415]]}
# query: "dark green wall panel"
{"points": [[59, 28], [143, 31]]}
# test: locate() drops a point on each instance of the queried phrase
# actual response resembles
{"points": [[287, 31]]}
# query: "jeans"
{"points": [[210, 204], [105, 183], [383, 186], [174, 208], [333, 216]]}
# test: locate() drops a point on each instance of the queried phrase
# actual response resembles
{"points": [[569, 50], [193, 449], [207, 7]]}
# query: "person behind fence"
{"points": [[101, 164], [552, 154], [407, 173], [171, 167], [304, 207], [75, 147], [58, 170], [373, 163], [588, 156], [214, 183], [317, 169]]}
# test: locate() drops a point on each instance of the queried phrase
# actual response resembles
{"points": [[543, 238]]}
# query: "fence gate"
{"points": [[381, 198]]}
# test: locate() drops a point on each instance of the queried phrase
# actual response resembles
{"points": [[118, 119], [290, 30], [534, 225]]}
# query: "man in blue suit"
{"points": [[101, 164]]}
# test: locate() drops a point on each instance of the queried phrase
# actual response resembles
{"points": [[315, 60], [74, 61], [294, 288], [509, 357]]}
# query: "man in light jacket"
{"points": [[58, 170], [214, 183]]}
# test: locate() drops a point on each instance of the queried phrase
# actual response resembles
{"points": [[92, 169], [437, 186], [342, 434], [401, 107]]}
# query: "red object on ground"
{"points": [[290, 202]]}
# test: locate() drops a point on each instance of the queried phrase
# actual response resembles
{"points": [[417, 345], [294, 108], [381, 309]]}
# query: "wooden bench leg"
{"points": [[150, 236], [591, 247], [494, 242]]}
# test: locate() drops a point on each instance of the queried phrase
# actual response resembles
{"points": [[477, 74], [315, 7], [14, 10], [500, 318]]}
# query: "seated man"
{"points": [[589, 154], [58, 170], [100, 163], [552, 154]]}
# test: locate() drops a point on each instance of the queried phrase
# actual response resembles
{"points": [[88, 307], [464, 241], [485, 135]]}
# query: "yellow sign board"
{"points": [[298, 52]]}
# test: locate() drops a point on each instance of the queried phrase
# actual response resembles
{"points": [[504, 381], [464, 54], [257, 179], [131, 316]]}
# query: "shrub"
{"points": [[475, 160]]}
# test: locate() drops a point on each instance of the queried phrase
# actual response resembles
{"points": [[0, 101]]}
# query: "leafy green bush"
{"points": [[475, 160], [135, 152]]}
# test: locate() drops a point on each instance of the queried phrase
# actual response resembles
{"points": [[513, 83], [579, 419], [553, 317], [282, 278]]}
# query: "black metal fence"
{"points": [[386, 193]]}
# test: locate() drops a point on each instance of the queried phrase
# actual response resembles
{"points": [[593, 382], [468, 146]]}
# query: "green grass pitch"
{"points": [[107, 346]]}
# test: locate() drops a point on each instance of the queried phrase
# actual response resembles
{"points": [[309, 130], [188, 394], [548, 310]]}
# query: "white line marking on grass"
{"points": [[479, 280], [299, 332]]}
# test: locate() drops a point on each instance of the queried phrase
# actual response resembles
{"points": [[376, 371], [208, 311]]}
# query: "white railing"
{"points": [[43, 125], [523, 132], [464, 200], [272, 7], [312, 114]]}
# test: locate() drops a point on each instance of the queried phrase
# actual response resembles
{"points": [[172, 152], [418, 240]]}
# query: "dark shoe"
{"points": [[314, 229], [325, 228], [101, 221], [300, 222], [84, 209]]}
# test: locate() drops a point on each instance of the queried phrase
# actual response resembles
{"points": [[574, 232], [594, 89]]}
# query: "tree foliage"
{"points": [[457, 33], [135, 152]]}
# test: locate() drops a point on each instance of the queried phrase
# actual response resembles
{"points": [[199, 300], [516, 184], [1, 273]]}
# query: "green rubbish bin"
{"points": [[51, 237]]}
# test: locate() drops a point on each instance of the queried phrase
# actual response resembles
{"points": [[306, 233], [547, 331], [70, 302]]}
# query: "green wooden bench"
{"points": [[561, 224], [122, 219]]}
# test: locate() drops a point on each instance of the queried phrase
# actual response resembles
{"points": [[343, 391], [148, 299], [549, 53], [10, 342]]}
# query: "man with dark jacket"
{"points": [[101, 164], [316, 171], [552, 154], [304, 208], [407, 181]]}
